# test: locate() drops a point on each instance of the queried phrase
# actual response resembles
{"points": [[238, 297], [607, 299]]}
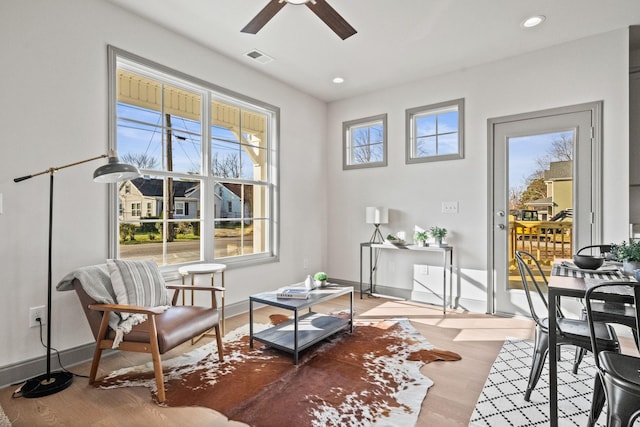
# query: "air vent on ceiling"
{"points": [[258, 56]]}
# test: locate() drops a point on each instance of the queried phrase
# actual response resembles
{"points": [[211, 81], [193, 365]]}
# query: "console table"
{"points": [[303, 330], [447, 264]]}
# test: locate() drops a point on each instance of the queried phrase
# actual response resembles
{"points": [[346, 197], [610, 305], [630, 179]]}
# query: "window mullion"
{"points": [[207, 212]]}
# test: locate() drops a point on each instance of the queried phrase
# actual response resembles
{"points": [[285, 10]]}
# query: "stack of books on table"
{"points": [[293, 293]]}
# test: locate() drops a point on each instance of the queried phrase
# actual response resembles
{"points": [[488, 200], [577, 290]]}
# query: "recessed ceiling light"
{"points": [[533, 21], [338, 80]]}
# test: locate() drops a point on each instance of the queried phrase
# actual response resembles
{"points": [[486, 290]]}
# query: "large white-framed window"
{"points": [[364, 142], [435, 132], [209, 162]]}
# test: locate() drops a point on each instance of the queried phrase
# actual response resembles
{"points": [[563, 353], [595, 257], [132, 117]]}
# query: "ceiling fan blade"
{"points": [[332, 18], [263, 17]]}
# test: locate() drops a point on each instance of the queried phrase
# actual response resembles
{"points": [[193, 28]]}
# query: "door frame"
{"points": [[595, 108]]}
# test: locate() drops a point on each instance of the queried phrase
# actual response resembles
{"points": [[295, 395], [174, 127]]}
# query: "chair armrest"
{"points": [[128, 308]]}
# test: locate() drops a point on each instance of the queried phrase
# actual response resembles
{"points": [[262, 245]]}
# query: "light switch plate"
{"points": [[450, 207]]}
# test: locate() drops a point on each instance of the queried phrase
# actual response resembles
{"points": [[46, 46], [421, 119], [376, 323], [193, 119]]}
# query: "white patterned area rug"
{"points": [[502, 403], [4, 420]]}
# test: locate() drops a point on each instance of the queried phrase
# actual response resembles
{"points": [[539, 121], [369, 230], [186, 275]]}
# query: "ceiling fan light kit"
{"points": [[298, 1], [321, 8]]}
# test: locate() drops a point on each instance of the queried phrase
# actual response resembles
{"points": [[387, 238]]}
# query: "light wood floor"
{"points": [[449, 402]]}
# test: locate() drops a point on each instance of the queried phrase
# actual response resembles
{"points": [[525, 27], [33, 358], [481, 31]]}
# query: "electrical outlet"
{"points": [[37, 313], [305, 263], [450, 207]]}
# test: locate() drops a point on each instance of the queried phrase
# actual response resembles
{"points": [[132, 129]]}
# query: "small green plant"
{"points": [[437, 232], [320, 276], [421, 236], [626, 251]]}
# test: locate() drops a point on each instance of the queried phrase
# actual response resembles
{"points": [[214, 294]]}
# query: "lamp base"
{"points": [[46, 384], [376, 237]]}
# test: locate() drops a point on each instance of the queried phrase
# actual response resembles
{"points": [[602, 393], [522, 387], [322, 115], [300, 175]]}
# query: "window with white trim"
{"points": [[209, 163], [364, 142], [435, 132]]}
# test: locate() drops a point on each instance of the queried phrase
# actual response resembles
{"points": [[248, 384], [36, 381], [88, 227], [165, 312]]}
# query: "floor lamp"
{"points": [[114, 171]]}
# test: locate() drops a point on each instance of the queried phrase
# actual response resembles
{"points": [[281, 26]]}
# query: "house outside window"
{"points": [[167, 124], [435, 132], [364, 142]]}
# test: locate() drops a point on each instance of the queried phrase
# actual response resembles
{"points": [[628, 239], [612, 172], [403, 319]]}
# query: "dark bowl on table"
{"points": [[588, 262]]}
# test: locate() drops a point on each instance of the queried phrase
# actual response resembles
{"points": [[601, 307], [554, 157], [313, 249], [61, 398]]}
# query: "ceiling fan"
{"points": [[320, 7]]}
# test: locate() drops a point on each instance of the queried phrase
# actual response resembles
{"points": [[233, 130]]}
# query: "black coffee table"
{"points": [[305, 329]]}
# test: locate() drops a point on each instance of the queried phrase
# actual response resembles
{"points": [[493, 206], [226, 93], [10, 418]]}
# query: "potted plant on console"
{"points": [[629, 254], [438, 234], [421, 238]]}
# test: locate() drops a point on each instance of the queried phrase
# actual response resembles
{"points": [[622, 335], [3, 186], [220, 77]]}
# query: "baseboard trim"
{"points": [[19, 372]]}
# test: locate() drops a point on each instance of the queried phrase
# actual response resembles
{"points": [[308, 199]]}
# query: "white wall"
{"points": [[587, 70], [54, 111]]}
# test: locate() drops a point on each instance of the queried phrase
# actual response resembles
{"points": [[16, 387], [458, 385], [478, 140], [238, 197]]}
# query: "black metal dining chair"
{"points": [[618, 380], [570, 331], [608, 312]]}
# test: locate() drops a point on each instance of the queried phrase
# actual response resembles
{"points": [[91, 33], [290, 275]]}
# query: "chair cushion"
{"points": [[137, 283], [175, 326]]}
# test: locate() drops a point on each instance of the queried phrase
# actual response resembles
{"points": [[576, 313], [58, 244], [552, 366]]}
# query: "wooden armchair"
{"points": [[163, 330]]}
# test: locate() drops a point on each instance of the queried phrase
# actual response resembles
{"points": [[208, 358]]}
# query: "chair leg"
{"points": [[155, 356], [578, 358], [597, 401], [97, 354], [539, 357], [580, 352], [219, 342]]}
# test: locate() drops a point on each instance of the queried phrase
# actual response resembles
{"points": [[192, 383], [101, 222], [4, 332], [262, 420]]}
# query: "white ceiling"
{"points": [[398, 41]]}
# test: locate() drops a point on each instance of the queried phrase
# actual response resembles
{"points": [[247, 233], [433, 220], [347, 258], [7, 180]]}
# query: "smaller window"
{"points": [[135, 209], [180, 208], [364, 142], [435, 132]]}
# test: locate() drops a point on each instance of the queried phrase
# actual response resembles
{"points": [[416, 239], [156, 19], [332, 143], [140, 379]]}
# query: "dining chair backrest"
{"points": [[630, 289], [533, 279], [617, 382]]}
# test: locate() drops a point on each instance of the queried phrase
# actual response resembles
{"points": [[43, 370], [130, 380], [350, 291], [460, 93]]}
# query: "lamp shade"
{"points": [[115, 171], [377, 215]]}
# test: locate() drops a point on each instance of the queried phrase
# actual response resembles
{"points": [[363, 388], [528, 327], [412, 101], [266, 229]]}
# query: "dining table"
{"points": [[567, 280]]}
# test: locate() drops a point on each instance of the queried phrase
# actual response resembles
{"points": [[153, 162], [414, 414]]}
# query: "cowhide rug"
{"points": [[369, 377]]}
